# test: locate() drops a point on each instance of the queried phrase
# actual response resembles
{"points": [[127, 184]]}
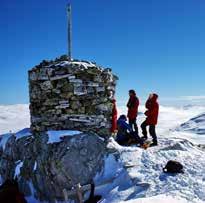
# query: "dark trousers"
{"points": [[123, 139], [136, 137], [133, 125], [152, 131]]}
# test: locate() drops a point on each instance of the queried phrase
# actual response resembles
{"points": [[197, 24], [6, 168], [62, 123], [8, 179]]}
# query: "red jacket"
{"points": [[153, 110], [114, 117], [132, 106]]}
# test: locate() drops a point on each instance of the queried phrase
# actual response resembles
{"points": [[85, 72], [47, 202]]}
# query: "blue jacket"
{"points": [[123, 127]]}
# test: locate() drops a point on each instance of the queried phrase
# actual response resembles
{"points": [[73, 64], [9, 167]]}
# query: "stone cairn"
{"points": [[74, 95]]}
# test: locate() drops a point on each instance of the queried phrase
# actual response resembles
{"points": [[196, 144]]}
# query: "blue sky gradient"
{"points": [[152, 45]]}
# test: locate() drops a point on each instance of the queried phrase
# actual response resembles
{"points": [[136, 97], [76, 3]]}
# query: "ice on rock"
{"points": [[18, 168], [55, 136]]}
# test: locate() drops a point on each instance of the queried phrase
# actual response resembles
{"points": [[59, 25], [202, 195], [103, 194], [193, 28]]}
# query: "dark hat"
{"points": [[123, 117], [132, 92]]}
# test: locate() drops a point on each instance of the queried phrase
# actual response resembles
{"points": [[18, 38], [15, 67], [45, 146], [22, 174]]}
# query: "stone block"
{"points": [[59, 77], [71, 95]]}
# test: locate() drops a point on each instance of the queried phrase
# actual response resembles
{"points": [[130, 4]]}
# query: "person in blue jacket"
{"points": [[125, 132]]}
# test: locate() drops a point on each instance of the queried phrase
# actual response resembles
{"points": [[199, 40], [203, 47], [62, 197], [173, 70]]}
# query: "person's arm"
{"points": [[126, 126], [147, 113], [129, 103], [133, 103], [137, 103], [154, 110], [114, 111], [147, 104], [114, 119]]}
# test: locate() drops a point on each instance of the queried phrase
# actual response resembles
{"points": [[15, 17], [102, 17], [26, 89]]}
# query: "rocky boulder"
{"points": [[48, 164]]}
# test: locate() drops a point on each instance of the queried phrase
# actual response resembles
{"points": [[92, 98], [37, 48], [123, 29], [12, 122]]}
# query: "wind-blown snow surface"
{"points": [[195, 125], [136, 176], [14, 117]]}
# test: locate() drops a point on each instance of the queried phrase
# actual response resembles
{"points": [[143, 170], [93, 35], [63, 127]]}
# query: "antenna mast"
{"points": [[69, 14]]}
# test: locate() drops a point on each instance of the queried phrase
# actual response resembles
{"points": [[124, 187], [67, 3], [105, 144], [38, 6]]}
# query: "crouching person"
{"points": [[152, 117], [125, 132]]}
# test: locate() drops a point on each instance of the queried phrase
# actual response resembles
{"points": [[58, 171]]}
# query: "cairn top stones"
{"points": [[74, 95]]}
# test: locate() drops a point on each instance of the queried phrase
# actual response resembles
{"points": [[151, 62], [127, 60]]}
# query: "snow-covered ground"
{"points": [[14, 117], [195, 125], [136, 176]]}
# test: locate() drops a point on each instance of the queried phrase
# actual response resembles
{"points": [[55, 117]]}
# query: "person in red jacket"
{"points": [[152, 117], [114, 118], [132, 106]]}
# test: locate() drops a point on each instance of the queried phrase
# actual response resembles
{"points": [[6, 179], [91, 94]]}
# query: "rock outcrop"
{"points": [[71, 95], [64, 95], [194, 125], [46, 169]]}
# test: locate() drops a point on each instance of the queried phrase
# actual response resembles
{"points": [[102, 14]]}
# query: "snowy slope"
{"points": [[138, 174], [195, 125], [14, 117], [133, 175]]}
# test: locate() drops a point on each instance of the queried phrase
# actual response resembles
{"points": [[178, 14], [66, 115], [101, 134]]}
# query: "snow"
{"points": [[4, 138], [85, 64], [195, 125], [138, 173], [23, 133], [134, 175], [141, 178], [14, 117], [56, 135], [158, 199], [35, 166], [18, 168]]}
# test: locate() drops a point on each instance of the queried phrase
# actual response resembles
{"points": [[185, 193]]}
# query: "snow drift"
{"points": [[195, 125], [131, 174]]}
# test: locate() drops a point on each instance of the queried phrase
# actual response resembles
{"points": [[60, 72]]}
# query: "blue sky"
{"points": [[152, 45]]}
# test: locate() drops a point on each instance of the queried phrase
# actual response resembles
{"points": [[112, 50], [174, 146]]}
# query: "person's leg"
{"points": [[144, 129], [135, 126], [131, 123], [136, 137], [153, 134], [119, 139], [122, 139]]}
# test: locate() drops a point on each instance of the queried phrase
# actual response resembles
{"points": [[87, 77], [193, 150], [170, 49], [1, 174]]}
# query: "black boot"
{"points": [[144, 138], [154, 143]]}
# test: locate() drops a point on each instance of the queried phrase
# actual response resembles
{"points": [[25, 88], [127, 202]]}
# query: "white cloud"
{"points": [[193, 97]]}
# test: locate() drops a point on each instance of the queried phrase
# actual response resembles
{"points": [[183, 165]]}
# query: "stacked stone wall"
{"points": [[71, 95]]}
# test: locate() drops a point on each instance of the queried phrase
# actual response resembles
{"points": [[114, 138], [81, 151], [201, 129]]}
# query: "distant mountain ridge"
{"points": [[195, 125]]}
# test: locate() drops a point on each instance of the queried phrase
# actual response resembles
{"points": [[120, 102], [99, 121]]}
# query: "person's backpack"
{"points": [[173, 167]]}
